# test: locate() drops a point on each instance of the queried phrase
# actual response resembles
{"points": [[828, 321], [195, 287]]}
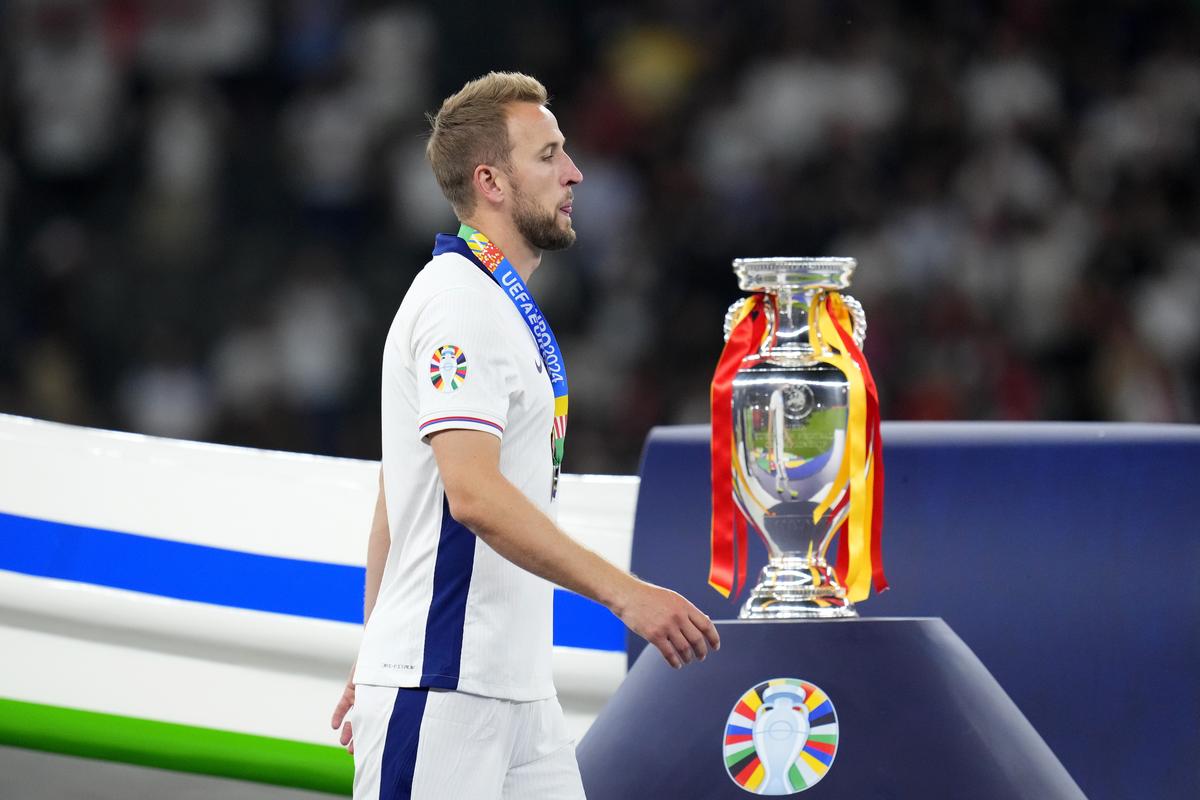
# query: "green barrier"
{"points": [[181, 748]]}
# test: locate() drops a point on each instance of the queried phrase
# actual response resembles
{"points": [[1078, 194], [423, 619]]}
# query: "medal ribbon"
{"points": [[495, 265], [728, 542], [860, 555]]}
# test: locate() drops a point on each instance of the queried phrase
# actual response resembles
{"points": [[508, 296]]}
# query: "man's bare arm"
{"points": [[481, 498], [378, 545]]}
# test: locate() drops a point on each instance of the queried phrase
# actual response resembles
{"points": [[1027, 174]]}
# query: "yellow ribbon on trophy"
{"points": [[860, 561]]}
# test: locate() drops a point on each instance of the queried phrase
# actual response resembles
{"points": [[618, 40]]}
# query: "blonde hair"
{"points": [[471, 128]]}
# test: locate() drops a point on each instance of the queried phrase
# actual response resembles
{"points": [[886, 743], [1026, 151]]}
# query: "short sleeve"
{"points": [[463, 367]]}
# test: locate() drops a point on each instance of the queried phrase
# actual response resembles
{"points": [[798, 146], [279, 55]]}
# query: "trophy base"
{"points": [[796, 587]]}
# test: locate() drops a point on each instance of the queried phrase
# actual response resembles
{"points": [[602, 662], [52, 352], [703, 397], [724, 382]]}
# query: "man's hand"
{"points": [[339, 716], [666, 619]]}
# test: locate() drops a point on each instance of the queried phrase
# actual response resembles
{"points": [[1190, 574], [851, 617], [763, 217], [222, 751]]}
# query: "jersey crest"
{"points": [[448, 368]]}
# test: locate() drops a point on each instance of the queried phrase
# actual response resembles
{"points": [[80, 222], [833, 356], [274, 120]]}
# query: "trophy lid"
{"points": [[764, 274]]}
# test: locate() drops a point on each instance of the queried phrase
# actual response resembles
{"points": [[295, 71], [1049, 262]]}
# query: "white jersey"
{"points": [[451, 612]]}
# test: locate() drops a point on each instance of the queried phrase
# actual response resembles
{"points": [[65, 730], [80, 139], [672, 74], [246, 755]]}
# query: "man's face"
{"points": [[542, 176]]}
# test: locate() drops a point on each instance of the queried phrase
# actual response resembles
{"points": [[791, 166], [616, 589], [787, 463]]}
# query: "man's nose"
{"points": [[573, 175]]}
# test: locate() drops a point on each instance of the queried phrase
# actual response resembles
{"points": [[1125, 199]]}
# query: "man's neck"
{"points": [[524, 258]]}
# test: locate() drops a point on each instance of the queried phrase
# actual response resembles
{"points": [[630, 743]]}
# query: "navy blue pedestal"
{"points": [[918, 716], [1064, 555]]}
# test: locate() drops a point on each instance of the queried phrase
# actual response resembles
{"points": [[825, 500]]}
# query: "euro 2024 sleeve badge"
{"points": [[781, 737], [448, 368]]}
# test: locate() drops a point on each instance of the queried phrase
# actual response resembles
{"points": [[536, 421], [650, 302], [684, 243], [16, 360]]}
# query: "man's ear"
{"points": [[491, 183]]}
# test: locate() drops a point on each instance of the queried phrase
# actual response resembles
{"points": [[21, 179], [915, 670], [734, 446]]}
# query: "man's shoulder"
{"points": [[449, 285], [444, 272]]}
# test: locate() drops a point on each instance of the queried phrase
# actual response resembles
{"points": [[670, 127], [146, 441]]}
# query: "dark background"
{"points": [[210, 209]]}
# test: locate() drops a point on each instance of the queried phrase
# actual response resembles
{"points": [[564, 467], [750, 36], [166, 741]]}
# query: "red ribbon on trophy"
{"points": [[728, 524]]}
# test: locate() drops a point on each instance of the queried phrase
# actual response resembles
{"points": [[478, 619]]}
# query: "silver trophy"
{"points": [[790, 413]]}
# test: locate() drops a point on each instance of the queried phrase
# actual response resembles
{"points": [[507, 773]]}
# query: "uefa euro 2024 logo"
{"points": [[781, 737], [448, 368]]}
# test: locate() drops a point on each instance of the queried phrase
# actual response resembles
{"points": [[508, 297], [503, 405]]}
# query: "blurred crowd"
{"points": [[210, 209]]}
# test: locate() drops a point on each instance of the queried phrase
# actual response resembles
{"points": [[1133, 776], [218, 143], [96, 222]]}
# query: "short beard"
{"points": [[540, 230]]}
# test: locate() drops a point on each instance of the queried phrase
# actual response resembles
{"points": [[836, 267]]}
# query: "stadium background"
{"points": [[210, 209]]}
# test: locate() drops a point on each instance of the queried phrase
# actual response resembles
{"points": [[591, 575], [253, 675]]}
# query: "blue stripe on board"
{"points": [[398, 764], [184, 571], [580, 622], [448, 608], [234, 578]]}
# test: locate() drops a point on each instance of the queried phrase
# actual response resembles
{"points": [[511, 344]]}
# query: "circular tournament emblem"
{"points": [[448, 368], [799, 401], [781, 737]]}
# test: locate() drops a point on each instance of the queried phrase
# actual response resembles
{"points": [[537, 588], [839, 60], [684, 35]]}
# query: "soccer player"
{"points": [[452, 694]]}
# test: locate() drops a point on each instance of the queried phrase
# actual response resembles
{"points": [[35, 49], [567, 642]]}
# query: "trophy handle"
{"points": [[858, 330], [857, 316], [732, 313]]}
